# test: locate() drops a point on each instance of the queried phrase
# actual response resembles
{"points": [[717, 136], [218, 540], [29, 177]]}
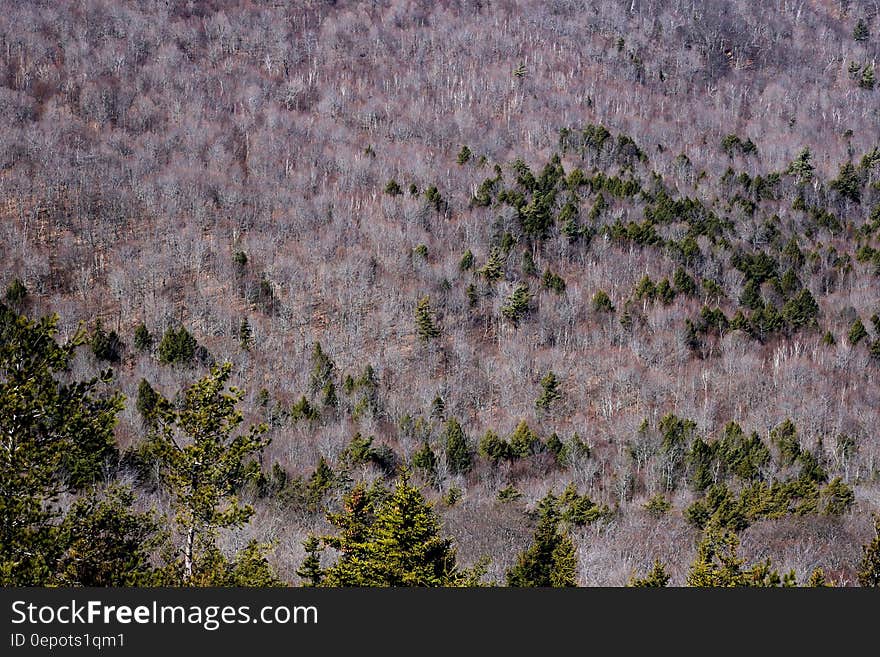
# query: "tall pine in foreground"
{"points": [[56, 435], [869, 569], [202, 458]]}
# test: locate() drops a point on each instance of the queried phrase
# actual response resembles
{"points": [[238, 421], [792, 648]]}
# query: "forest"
{"points": [[439, 293]]}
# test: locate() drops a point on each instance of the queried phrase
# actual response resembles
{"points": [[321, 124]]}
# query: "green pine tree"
{"points": [[458, 454], [56, 434], [551, 559], [869, 569], [310, 569], [549, 392], [426, 325], [657, 577], [517, 304], [143, 339], [802, 166], [203, 462], [857, 332], [861, 33]]}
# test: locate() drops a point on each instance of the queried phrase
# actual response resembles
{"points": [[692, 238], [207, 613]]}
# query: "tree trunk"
{"points": [[188, 554]]}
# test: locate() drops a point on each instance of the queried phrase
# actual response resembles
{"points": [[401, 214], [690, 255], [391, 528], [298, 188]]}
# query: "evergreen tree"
{"points": [[464, 155], [493, 270], [310, 569], [426, 461], [16, 293], [867, 81], [657, 577], [392, 188], [523, 441], [717, 564], [150, 404], [323, 369], [802, 166], [177, 347], [848, 184], [106, 543], [517, 304], [106, 346], [551, 560], [602, 302], [143, 339], [426, 326], [390, 539], [801, 310], [55, 436], [203, 462], [861, 33], [245, 335], [869, 569], [549, 391], [492, 448], [458, 454], [467, 261], [857, 332]]}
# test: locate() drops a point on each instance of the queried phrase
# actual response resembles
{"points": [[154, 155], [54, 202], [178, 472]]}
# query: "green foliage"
{"points": [[106, 346], [203, 463], [869, 568], [554, 282], [802, 166], [458, 454], [464, 155], [718, 565], [245, 335], [857, 332], [103, 542], [517, 304], [523, 441], [549, 392], [426, 461], [657, 577], [801, 310], [683, 283], [867, 79], [310, 569], [392, 188], [848, 184], [493, 448], [303, 410], [467, 261], [323, 369], [56, 434], [16, 292], [421, 251], [551, 560], [177, 347], [150, 404], [493, 270], [509, 494], [390, 539], [861, 33], [434, 199], [658, 505], [602, 302], [426, 326], [143, 339]]}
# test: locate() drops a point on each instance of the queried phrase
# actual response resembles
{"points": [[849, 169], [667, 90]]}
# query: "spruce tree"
{"points": [[549, 392], [657, 577], [861, 33], [177, 347], [869, 569], [602, 302], [802, 166], [323, 369], [390, 539], [551, 559], [517, 304], [310, 569], [857, 332], [106, 346], [458, 454], [523, 441], [143, 339], [426, 326], [245, 335]]}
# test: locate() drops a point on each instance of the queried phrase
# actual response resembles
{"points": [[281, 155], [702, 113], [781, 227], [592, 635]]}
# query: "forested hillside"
{"points": [[440, 293]]}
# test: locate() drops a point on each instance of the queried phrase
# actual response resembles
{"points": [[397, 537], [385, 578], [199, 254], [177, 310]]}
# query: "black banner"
{"points": [[403, 621]]}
